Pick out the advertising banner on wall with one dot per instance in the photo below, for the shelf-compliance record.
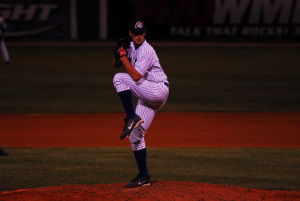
(166, 19)
(205, 19)
(34, 19)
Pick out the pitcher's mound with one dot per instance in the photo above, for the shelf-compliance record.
(158, 191)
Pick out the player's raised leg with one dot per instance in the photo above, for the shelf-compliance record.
(132, 120)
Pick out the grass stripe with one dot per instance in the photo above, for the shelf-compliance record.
(264, 168)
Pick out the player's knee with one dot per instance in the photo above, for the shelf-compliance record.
(138, 145)
(137, 139)
(137, 134)
(117, 79)
(119, 82)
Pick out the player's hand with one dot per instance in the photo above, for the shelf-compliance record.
(119, 52)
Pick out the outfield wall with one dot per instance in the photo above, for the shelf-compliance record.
(192, 20)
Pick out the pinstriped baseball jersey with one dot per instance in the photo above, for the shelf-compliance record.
(146, 62)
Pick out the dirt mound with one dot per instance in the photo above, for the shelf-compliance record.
(173, 191)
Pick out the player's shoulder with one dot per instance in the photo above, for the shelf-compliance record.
(146, 44)
(148, 47)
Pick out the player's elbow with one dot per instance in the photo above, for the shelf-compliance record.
(137, 77)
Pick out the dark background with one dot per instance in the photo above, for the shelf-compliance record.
(192, 19)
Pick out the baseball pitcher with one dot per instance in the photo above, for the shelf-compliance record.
(146, 80)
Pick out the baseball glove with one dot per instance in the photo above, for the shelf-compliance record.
(124, 42)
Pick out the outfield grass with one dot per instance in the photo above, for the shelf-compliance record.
(264, 168)
(203, 79)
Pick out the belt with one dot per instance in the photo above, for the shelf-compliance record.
(165, 82)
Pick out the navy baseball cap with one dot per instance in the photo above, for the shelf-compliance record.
(137, 27)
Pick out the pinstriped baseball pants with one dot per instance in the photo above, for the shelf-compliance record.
(151, 97)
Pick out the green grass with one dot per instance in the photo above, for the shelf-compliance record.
(265, 168)
(203, 79)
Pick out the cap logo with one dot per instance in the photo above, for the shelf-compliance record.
(138, 25)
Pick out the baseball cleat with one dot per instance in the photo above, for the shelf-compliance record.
(136, 178)
(131, 124)
(139, 182)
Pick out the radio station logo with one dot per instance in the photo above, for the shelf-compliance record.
(30, 18)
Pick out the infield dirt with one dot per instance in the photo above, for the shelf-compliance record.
(167, 130)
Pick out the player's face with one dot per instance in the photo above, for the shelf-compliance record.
(137, 39)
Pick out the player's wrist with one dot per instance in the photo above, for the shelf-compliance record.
(123, 58)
